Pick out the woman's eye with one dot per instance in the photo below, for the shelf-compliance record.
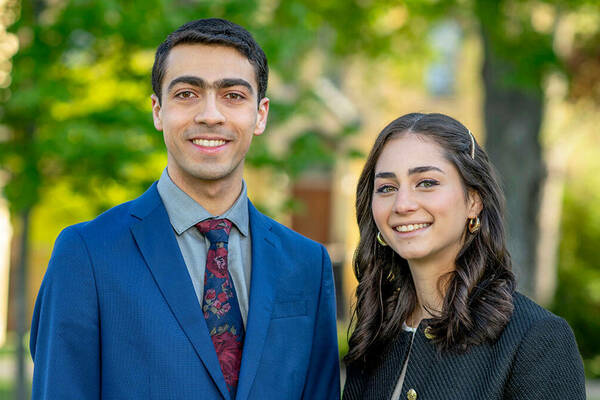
(427, 183)
(385, 189)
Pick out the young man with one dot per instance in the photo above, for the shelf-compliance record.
(188, 292)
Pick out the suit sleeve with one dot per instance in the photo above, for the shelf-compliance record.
(323, 379)
(65, 329)
(547, 364)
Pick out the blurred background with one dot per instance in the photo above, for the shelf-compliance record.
(76, 133)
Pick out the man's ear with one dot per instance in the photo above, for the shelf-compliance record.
(156, 112)
(475, 205)
(261, 120)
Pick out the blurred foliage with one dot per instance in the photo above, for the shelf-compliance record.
(78, 109)
(577, 297)
(78, 103)
(76, 113)
(343, 336)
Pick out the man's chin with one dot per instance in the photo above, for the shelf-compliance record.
(211, 174)
(204, 172)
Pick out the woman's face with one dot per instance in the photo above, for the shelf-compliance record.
(419, 202)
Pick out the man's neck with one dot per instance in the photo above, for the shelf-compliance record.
(215, 196)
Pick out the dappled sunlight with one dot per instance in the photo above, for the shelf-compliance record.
(76, 131)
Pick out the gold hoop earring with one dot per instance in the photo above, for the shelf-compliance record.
(380, 239)
(474, 224)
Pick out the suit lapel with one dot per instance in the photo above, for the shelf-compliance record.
(158, 245)
(265, 268)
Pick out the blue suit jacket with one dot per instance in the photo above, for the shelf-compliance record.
(117, 316)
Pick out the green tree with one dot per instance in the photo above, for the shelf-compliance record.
(578, 294)
(522, 47)
(78, 107)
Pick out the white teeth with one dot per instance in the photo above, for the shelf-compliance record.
(410, 227)
(208, 143)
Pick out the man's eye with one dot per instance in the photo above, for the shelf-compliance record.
(234, 96)
(185, 94)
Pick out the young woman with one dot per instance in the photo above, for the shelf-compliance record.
(437, 315)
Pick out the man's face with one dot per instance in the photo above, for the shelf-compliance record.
(209, 113)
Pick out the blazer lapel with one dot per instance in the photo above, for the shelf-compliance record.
(158, 245)
(265, 268)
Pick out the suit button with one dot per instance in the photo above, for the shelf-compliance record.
(428, 333)
(411, 394)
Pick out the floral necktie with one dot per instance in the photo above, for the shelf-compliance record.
(220, 304)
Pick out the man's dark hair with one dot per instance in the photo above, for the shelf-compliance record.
(215, 31)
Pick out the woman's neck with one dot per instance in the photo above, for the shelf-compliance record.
(426, 278)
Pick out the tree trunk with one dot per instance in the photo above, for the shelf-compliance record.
(29, 186)
(513, 117)
(22, 384)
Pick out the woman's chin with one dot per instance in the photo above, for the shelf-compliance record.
(411, 255)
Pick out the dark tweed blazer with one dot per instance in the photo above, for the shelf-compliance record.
(535, 357)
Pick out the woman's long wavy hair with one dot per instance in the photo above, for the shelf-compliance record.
(477, 303)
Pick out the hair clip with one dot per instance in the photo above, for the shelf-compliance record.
(472, 144)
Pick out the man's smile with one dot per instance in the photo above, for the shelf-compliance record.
(209, 142)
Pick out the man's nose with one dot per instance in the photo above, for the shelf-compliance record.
(209, 112)
(405, 201)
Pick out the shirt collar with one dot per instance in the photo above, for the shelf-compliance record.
(184, 212)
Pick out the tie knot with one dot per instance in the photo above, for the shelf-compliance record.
(216, 230)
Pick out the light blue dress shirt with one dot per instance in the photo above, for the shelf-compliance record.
(184, 213)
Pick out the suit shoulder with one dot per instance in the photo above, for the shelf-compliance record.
(528, 311)
(546, 357)
(106, 223)
(120, 217)
(530, 319)
(74, 242)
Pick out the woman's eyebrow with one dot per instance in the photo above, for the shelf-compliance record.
(385, 175)
(426, 168)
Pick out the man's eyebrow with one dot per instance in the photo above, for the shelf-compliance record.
(426, 168)
(190, 80)
(229, 82)
(385, 175)
(202, 84)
